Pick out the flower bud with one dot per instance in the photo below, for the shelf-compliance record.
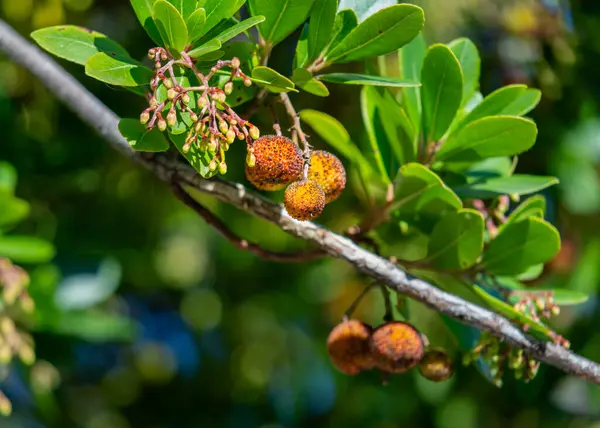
(194, 117)
(225, 146)
(153, 102)
(162, 125)
(215, 95)
(228, 88)
(213, 165)
(163, 56)
(144, 117)
(171, 118)
(235, 62)
(230, 136)
(171, 94)
(222, 168)
(254, 132)
(200, 127)
(151, 53)
(247, 82)
(187, 146)
(212, 147)
(223, 127)
(240, 136)
(233, 122)
(186, 98)
(251, 160)
(202, 101)
(168, 83)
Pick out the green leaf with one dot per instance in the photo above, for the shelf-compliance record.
(212, 46)
(272, 80)
(305, 80)
(457, 240)
(345, 22)
(380, 152)
(367, 80)
(561, 296)
(171, 25)
(322, 18)
(185, 7)
(519, 184)
(520, 245)
(381, 33)
(8, 178)
(301, 55)
(117, 71)
(441, 91)
(488, 137)
(91, 326)
(564, 297)
(282, 17)
(141, 138)
(12, 210)
(217, 10)
(26, 249)
(411, 63)
(468, 56)
(421, 197)
(532, 207)
(511, 100)
(143, 11)
(334, 134)
(240, 94)
(76, 44)
(195, 25)
(239, 28)
(199, 160)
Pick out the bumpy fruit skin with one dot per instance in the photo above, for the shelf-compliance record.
(348, 347)
(278, 163)
(436, 365)
(328, 171)
(304, 200)
(396, 347)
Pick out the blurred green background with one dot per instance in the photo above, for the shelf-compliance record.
(147, 318)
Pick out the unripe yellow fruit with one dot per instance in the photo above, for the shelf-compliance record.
(277, 162)
(436, 365)
(304, 200)
(328, 171)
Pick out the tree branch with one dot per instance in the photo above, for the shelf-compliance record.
(104, 121)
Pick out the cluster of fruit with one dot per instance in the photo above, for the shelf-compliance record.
(275, 161)
(394, 347)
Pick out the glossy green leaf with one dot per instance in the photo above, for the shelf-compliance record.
(470, 63)
(272, 80)
(195, 25)
(345, 22)
(185, 7)
(321, 22)
(8, 178)
(457, 240)
(301, 54)
(381, 33)
(76, 44)
(519, 184)
(218, 10)
(143, 11)
(26, 249)
(239, 28)
(561, 296)
(305, 80)
(520, 245)
(365, 8)
(380, 152)
(441, 91)
(141, 138)
(334, 134)
(206, 48)
(532, 207)
(564, 297)
(492, 136)
(282, 17)
(199, 160)
(171, 25)
(12, 210)
(117, 71)
(421, 197)
(367, 80)
(511, 100)
(411, 63)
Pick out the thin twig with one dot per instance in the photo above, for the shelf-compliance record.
(105, 122)
(242, 244)
(295, 119)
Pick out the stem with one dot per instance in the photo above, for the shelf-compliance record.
(295, 119)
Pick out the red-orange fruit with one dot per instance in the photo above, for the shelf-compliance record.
(396, 347)
(328, 171)
(436, 365)
(348, 347)
(304, 200)
(278, 162)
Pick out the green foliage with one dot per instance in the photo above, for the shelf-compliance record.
(433, 162)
